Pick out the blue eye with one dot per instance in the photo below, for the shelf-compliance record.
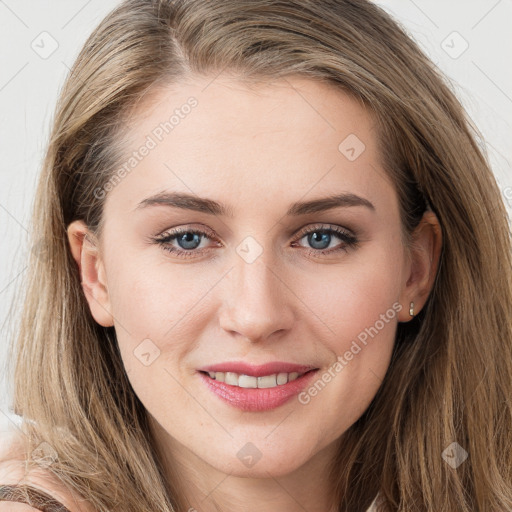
(188, 241)
(319, 237)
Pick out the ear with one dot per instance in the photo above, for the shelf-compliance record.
(424, 259)
(85, 251)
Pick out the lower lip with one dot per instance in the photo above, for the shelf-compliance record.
(255, 399)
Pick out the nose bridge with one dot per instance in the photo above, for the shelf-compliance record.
(257, 302)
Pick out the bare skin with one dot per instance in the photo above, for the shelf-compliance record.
(14, 472)
(256, 150)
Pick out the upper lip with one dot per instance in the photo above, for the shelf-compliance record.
(270, 368)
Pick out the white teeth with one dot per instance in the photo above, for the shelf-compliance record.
(231, 378)
(247, 381)
(267, 381)
(282, 378)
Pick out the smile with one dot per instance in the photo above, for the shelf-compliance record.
(250, 382)
(256, 388)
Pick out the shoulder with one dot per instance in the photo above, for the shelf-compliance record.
(13, 472)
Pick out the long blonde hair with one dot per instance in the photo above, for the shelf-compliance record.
(450, 378)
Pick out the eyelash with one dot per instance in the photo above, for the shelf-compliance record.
(349, 240)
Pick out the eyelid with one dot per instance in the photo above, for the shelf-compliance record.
(351, 240)
(187, 228)
(323, 227)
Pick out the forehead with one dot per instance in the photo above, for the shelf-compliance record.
(311, 107)
(280, 140)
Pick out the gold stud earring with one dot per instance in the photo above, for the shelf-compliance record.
(411, 309)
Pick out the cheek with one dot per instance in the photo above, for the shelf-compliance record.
(359, 309)
(354, 297)
(153, 294)
(156, 312)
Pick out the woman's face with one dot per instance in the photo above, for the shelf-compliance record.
(295, 262)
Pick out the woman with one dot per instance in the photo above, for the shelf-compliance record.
(277, 273)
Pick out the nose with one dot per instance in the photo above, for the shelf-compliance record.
(257, 301)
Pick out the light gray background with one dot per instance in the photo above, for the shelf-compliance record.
(30, 80)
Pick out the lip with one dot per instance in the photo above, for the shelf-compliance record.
(270, 368)
(256, 399)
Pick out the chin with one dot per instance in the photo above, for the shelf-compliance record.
(259, 460)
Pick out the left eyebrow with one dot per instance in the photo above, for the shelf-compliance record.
(211, 207)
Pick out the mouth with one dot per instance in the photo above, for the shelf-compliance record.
(256, 388)
(252, 382)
